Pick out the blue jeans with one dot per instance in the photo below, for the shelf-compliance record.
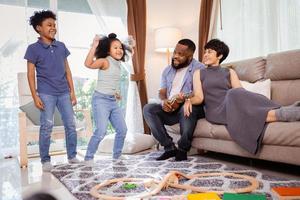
(156, 119)
(105, 108)
(64, 106)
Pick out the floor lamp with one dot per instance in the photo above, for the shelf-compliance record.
(165, 40)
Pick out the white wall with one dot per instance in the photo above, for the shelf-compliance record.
(160, 13)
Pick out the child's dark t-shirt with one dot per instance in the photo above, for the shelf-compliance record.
(49, 61)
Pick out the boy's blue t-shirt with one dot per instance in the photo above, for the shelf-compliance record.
(49, 61)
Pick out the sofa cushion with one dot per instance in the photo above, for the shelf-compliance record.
(220, 132)
(260, 87)
(33, 113)
(202, 129)
(277, 133)
(250, 70)
(283, 65)
(285, 92)
(283, 134)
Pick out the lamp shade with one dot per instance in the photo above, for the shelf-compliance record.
(166, 38)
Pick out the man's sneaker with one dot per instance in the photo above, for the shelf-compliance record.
(73, 161)
(180, 155)
(47, 167)
(167, 154)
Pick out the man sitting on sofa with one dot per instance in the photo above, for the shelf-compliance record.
(176, 87)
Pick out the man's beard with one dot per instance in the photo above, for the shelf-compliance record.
(181, 65)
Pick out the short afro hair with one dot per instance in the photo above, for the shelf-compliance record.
(39, 16)
(220, 47)
(189, 43)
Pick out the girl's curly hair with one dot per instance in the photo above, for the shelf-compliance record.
(102, 50)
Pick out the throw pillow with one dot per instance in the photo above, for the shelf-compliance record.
(260, 87)
(132, 144)
(33, 113)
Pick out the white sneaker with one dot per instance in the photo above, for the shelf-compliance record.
(121, 157)
(47, 167)
(89, 162)
(73, 161)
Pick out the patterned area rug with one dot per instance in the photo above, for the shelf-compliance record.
(79, 178)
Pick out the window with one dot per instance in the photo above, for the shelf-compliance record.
(257, 28)
(12, 47)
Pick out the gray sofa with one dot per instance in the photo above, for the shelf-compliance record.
(281, 142)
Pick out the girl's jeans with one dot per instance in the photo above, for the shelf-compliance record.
(105, 108)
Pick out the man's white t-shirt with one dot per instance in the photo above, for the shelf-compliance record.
(178, 81)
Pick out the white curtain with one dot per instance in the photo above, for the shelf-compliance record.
(13, 43)
(111, 16)
(105, 10)
(134, 116)
(258, 27)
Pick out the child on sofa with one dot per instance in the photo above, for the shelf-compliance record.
(48, 57)
(245, 114)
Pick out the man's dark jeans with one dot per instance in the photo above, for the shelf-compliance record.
(156, 118)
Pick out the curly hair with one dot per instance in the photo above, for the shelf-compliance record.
(102, 50)
(219, 46)
(39, 16)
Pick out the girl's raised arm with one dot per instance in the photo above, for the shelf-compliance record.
(89, 60)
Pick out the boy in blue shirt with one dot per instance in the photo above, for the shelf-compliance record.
(48, 57)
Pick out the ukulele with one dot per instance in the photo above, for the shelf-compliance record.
(176, 101)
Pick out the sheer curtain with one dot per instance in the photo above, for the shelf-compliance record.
(105, 11)
(111, 16)
(258, 27)
(13, 43)
(134, 116)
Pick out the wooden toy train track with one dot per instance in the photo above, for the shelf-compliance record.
(171, 180)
